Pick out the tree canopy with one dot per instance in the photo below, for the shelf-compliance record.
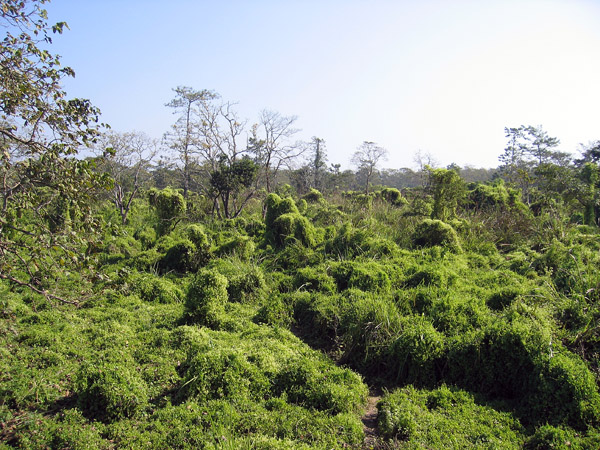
(41, 132)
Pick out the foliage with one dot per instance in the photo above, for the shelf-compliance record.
(228, 182)
(110, 391)
(432, 232)
(448, 191)
(169, 206)
(206, 298)
(483, 333)
(392, 196)
(46, 218)
(284, 224)
(445, 418)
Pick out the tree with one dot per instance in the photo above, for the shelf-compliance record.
(220, 130)
(128, 156)
(318, 162)
(274, 150)
(367, 158)
(529, 149)
(231, 182)
(184, 135)
(46, 215)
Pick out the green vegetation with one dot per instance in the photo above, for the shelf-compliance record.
(232, 310)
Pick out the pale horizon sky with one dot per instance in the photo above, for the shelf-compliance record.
(443, 77)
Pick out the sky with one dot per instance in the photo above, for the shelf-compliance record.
(439, 77)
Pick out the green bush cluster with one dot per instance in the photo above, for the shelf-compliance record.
(433, 232)
(392, 196)
(169, 206)
(483, 328)
(206, 298)
(284, 223)
(445, 418)
(367, 276)
(242, 247)
(152, 288)
(110, 391)
(350, 242)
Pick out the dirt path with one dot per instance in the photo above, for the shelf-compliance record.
(369, 420)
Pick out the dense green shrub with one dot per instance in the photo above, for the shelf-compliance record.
(435, 232)
(368, 276)
(359, 200)
(285, 224)
(196, 234)
(319, 386)
(416, 352)
(169, 206)
(293, 226)
(313, 196)
(110, 391)
(392, 196)
(551, 437)
(146, 236)
(242, 247)
(350, 242)
(125, 245)
(155, 289)
(147, 260)
(181, 258)
(247, 286)
(484, 196)
(426, 276)
(566, 393)
(223, 373)
(314, 279)
(501, 361)
(275, 311)
(445, 418)
(206, 298)
(276, 206)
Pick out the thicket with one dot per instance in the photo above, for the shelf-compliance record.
(185, 338)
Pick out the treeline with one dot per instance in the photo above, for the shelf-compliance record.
(532, 170)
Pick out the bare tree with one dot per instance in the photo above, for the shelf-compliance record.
(128, 156)
(275, 149)
(184, 137)
(424, 159)
(366, 159)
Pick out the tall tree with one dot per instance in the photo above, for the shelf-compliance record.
(275, 149)
(527, 157)
(184, 134)
(318, 161)
(366, 158)
(46, 191)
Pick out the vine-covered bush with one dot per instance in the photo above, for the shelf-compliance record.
(432, 232)
(169, 206)
(392, 196)
(206, 298)
(110, 391)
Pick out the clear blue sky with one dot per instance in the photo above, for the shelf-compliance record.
(440, 76)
